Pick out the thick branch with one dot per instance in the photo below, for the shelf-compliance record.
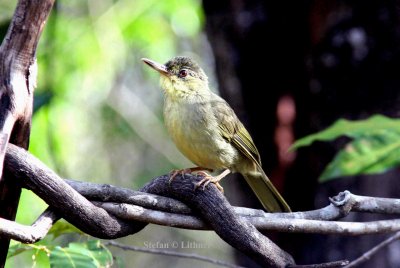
(219, 214)
(110, 193)
(59, 195)
(210, 204)
(149, 208)
(168, 211)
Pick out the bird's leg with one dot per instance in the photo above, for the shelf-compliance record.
(208, 178)
(184, 171)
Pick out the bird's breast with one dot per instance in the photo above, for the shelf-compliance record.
(194, 129)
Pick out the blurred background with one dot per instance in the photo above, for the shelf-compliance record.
(287, 68)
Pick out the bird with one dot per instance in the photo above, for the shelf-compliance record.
(208, 132)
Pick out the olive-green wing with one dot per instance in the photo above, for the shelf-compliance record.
(234, 131)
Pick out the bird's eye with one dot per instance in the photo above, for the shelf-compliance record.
(183, 73)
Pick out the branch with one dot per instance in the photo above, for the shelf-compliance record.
(168, 211)
(220, 216)
(210, 204)
(341, 205)
(149, 208)
(110, 193)
(367, 255)
(333, 264)
(29, 234)
(73, 207)
(370, 204)
(170, 253)
(137, 213)
(270, 222)
(300, 222)
(309, 221)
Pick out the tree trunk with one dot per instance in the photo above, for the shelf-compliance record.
(17, 83)
(332, 59)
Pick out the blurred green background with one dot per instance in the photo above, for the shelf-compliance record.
(98, 109)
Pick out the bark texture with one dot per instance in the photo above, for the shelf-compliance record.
(17, 83)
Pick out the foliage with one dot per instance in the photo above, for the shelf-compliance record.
(375, 146)
(89, 61)
(90, 254)
(62, 227)
(97, 112)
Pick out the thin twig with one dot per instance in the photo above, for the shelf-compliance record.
(367, 255)
(333, 264)
(171, 253)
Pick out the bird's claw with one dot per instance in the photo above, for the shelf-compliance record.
(206, 181)
(184, 171)
(175, 172)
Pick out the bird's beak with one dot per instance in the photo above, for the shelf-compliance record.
(156, 66)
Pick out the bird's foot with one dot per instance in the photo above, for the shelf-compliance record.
(184, 171)
(208, 178)
(175, 172)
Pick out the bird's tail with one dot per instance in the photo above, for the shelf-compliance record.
(266, 192)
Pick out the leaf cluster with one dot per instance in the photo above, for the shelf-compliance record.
(374, 148)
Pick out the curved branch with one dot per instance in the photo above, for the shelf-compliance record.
(167, 211)
(76, 209)
(220, 216)
(110, 193)
(161, 210)
(211, 204)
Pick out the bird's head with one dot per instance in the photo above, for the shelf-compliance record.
(180, 76)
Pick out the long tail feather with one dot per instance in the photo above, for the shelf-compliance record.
(266, 192)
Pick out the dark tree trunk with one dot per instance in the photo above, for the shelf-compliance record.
(17, 83)
(333, 59)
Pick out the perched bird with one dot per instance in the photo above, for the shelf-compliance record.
(207, 131)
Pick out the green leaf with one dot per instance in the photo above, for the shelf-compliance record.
(91, 254)
(63, 227)
(39, 252)
(368, 154)
(17, 249)
(375, 146)
(353, 129)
